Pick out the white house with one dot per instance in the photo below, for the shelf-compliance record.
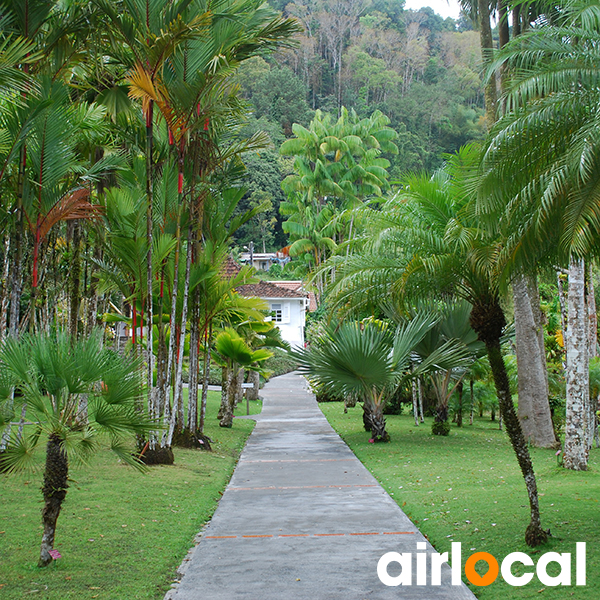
(288, 306)
(288, 309)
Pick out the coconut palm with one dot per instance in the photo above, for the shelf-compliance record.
(53, 372)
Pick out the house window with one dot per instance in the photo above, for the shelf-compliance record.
(276, 309)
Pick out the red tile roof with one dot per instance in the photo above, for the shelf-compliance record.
(266, 289)
(262, 289)
(230, 268)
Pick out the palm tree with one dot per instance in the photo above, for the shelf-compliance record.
(53, 372)
(546, 144)
(369, 362)
(453, 324)
(431, 243)
(236, 354)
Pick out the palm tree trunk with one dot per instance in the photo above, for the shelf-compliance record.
(577, 418)
(205, 379)
(5, 287)
(239, 390)
(92, 311)
(459, 412)
(15, 296)
(192, 420)
(591, 312)
(471, 385)
(153, 400)
(367, 420)
(173, 330)
(561, 299)
(54, 491)
(487, 320)
(487, 46)
(378, 432)
(421, 416)
(227, 418)
(177, 416)
(225, 378)
(74, 276)
(415, 403)
(254, 378)
(534, 408)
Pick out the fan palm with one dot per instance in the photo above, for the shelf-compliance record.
(53, 373)
(367, 361)
(236, 354)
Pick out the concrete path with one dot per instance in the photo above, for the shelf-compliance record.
(302, 519)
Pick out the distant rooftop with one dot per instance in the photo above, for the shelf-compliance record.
(264, 289)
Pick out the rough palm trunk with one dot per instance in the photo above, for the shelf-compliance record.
(254, 379)
(378, 432)
(366, 417)
(225, 378)
(577, 418)
(487, 320)
(92, 312)
(54, 491)
(227, 418)
(592, 350)
(239, 390)
(534, 409)
(592, 313)
(561, 299)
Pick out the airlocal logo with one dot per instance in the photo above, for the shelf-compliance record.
(437, 560)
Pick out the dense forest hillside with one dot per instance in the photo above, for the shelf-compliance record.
(422, 71)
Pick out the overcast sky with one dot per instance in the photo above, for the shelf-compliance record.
(445, 8)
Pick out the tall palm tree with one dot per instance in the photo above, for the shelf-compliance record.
(541, 170)
(430, 243)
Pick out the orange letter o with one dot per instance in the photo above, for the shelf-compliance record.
(473, 576)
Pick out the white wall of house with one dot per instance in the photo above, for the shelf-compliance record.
(290, 318)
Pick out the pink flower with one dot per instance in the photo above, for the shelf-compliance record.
(55, 554)
(371, 441)
(558, 452)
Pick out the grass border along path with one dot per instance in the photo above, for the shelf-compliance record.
(122, 534)
(467, 488)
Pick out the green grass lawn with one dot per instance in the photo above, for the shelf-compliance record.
(122, 534)
(467, 488)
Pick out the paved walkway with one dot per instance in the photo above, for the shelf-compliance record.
(302, 519)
